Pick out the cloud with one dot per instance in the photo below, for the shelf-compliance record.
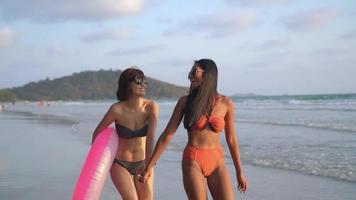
(276, 42)
(114, 34)
(260, 65)
(135, 51)
(64, 10)
(7, 37)
(164, 20)
(55, 51)
(258, 2)
(311, 20)
(349, 36)
(174, 62)
(220, 25)
(330, 52)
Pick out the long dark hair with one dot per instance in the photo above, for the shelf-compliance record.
(126, 77)
(200, 99)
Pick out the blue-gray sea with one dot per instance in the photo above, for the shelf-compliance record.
(292, 147)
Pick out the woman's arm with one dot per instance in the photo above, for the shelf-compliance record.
(105, 122)
(152, 126)
(165, 137)
(232, 142)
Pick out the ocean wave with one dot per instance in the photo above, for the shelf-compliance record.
(334, 127)
(298, 105)
(41, 117)
(83, 103)
(310, 167)
(304, 108)
(103, 103)
(296, 98)
(167, 101)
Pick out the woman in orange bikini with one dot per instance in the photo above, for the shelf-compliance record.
(136, 120)
(206, 113)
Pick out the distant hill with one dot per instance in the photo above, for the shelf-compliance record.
(86, 85)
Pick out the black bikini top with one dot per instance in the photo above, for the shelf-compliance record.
(124, 132)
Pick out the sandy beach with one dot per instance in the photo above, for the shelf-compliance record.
(41, 155)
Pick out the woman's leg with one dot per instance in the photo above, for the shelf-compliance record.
(219, 183)
(123, 182)
(193, 180)
(144, 190)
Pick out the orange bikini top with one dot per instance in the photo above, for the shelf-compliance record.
(216, 123)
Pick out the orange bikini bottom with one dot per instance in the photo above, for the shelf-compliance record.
(207, 159)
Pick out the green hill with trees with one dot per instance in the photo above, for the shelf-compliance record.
(86, 85)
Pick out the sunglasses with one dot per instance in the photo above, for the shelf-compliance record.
(140, 80)
(194, 71)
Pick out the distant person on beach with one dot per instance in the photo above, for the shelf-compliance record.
(40, 104)
(136, 120)
(206, 114)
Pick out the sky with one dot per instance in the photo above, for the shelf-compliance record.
(266, 47)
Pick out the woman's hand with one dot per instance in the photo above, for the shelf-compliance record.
(144, 175)
(140, 171)
(242, 183)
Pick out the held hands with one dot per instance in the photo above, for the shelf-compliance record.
(242, 183)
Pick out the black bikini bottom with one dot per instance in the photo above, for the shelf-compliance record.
(131, 167)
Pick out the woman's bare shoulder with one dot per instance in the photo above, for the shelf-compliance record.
(182, 100)
(116, 107)
(226, 100)
(151, 104)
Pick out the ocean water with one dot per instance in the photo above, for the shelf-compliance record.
(313, 135)
(307, 135)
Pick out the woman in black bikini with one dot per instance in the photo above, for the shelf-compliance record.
(136, 120)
